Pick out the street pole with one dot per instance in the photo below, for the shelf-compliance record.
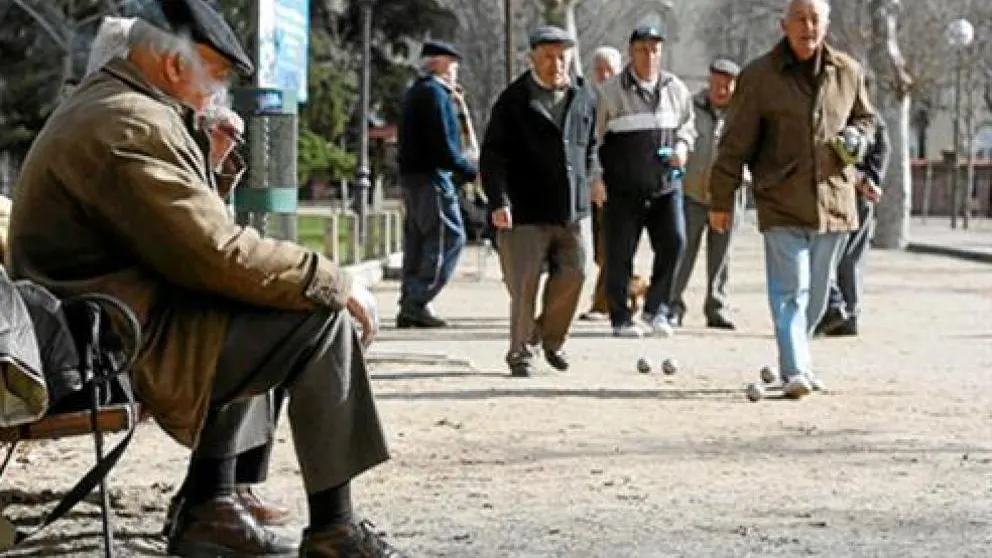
(510, 48)
(955, 175)
(363, 174)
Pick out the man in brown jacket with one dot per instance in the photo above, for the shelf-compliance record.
(799, 119)
(121, 194)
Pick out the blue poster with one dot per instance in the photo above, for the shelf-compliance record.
(283, 38)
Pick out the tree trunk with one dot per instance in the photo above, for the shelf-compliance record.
(893, 211)
(892, 85)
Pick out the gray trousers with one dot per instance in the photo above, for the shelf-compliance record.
(846, 290)
(524, 250)
(717, 259)
(317, 357)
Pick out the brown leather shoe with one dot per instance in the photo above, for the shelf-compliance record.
(222, 527)
(266, 514)
(347, 541)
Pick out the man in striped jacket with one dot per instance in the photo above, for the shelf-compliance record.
(646, 131)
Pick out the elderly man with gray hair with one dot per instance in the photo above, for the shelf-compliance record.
(606, 63)
(122, 193)
(801, 121)
(432, 158)
(251, 421)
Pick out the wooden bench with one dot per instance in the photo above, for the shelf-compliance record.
(98, 420)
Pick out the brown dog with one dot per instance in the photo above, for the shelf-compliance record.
(636, 291)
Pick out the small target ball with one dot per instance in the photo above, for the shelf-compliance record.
(643, 365)
(768, 375)
(669, 366)
(755, 392)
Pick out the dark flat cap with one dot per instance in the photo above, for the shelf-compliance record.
(648, 33)
(725, 66)
(549, 34)
(438, 48)
(205, 25)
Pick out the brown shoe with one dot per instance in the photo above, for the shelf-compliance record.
(222, 527)
(347, 541)
(266, 514)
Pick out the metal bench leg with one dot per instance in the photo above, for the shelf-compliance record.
(108, 533)
(6, 459)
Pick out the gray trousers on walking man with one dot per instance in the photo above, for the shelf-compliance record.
(524, 250)
(718, 245)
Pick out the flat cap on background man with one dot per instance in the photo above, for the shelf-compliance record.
(549, 34)
(725, 66)
(648, 33)
(438, 48)
(204, 24)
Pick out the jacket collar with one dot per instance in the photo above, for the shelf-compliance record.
(785, 59)
(128, 73)
(629, 82)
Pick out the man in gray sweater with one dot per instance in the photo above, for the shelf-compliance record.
(709, 106)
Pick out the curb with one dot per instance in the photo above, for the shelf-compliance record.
(948, 251)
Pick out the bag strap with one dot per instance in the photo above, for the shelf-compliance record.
(92, 478)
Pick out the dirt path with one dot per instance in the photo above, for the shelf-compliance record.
(895, 460)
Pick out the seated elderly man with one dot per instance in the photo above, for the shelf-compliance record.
(121, 194)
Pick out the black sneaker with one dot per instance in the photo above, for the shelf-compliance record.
(849, 328)
(720, 322)
(556, 359)
(418, 319)
(833, 319)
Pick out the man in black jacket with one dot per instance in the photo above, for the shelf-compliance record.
(432, 159)
(536, 158)
(841, 318)
(646, 126)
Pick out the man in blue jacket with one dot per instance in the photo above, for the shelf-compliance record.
(431, 159)
(536, 158)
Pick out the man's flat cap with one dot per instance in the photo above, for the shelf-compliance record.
(203, 24)
(648, 33)
(438, 48)
(725, 66)
(549, 34)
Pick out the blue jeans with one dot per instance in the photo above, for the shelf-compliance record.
(799, 265)
(433, 238)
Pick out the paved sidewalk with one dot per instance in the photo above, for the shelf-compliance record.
(604, 462)
(934, 235)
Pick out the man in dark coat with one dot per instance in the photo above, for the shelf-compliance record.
(432, 161)
(536, 157)
(122, 193)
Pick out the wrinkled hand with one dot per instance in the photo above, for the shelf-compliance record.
(720, 220)
(502, 219)
(363, 308)
(869, 190)
(226, 129)
(598, 194)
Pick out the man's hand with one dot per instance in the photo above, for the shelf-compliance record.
(363, 308)
(226, 129)
(598, 193)
(869, 190)
(720, 220)
(502, 219)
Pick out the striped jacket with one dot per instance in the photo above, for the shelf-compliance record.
(631, 129)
